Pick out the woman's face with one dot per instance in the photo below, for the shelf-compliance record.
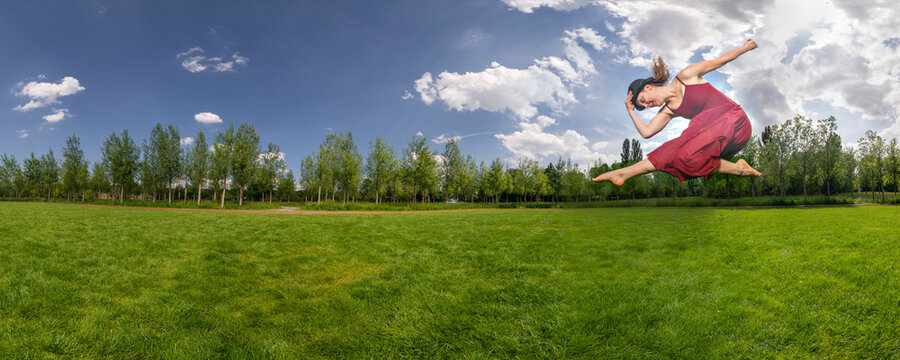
(648, 97)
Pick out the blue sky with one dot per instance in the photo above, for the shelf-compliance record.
(536, 78)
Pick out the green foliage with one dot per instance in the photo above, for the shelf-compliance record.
(419, 168)
(381, 165)
(121, 158)
(199, 163)
(245, 155)
(222, 159)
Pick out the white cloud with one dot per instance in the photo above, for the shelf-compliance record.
(45, 93)
(444, 138)
(441, 139)
(57, 116)
(497, 89)
(224, 67)
(189, 51)
(418, 134)
(549, 82)
(228, 66)
(528, 6)
(199, 63)
(892, 131)
(186, 141)
(240, 60)
(22, 133)
(270, 155)
(589, 36)
(207, 118)
(533, 142)
(407, 95)
(193, 64)
(471, 38)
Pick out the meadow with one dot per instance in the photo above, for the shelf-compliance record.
(88, 282)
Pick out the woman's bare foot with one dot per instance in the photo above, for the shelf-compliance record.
(746, 169)
(615, 177)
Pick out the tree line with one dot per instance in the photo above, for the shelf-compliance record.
(797, 157)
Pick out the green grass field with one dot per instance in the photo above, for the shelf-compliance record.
(83, 282)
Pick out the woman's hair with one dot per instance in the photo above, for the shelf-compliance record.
(660, 72)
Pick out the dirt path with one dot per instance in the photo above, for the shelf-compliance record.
(282, 210)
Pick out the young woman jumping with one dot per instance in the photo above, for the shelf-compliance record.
(718, 129)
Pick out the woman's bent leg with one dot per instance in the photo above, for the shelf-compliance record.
(619, 176)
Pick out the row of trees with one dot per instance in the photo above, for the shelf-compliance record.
(157, 169)
(797, 157)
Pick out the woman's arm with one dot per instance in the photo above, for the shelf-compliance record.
(701, 68)
(656, 125)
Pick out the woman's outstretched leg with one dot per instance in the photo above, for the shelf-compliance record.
(619, 176)
(740, 168)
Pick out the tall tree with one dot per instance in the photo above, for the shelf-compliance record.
(452, 170)
(892, 163)
(286, 186)
(222, 158)
(775, 154)
(636, 153)
(626, 152)
(272, 165)
(9, 167)
(308, 179)
(525, 176)
(153, 163)
(830, 151)
(49, 172)
(492, 183)
(471, 178)
(380, 165)
(325, 168)
(82, 180)
(172, 159)
(348, 166)
(32, 174)
(99, 179)
(120, 159)
(199, 164)
(554, 179)
(246, 152)
(872, 152)
(419, 167)
(805, 146)
(73, 160)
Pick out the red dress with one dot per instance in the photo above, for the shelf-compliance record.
(719, 128)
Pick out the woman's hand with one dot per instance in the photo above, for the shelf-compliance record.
(750, 45)
(628, 104)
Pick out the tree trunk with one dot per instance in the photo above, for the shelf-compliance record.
(241, 196)
(376, 195)
(122, 197)
(222, 205)
(319, 198)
